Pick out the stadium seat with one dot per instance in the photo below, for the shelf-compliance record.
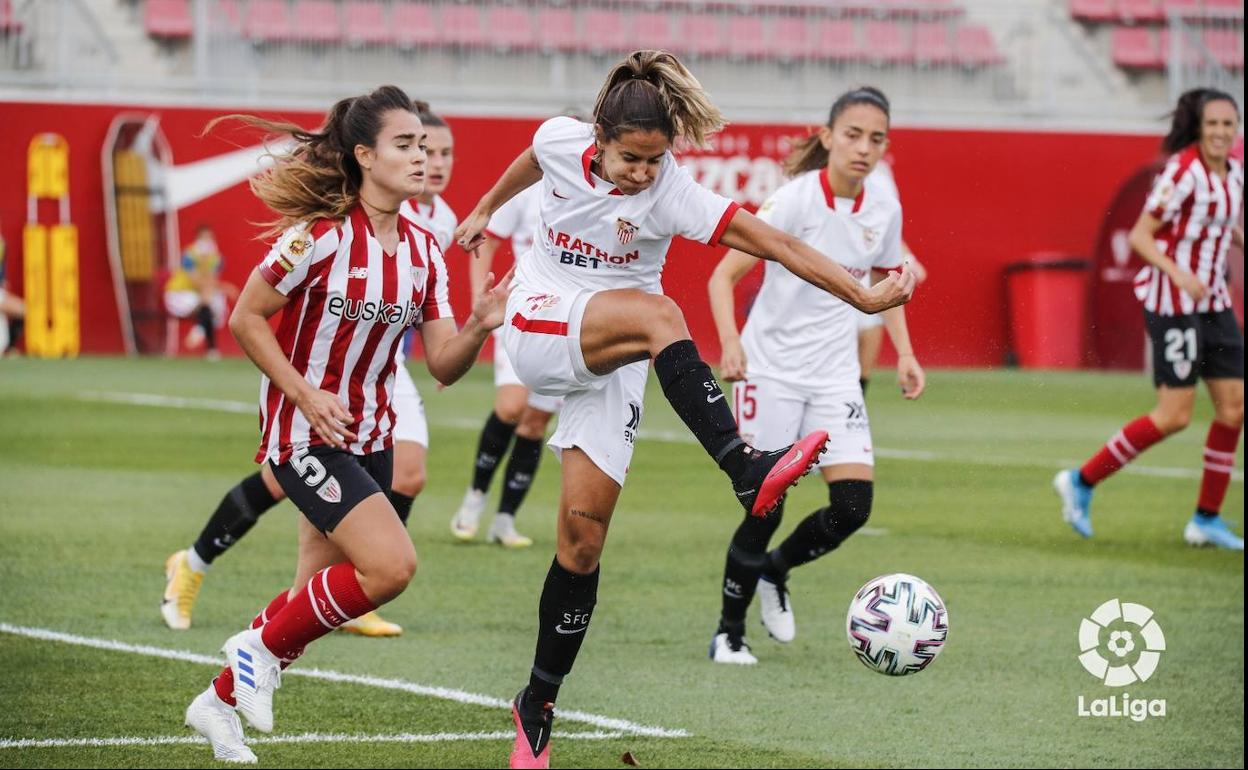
(1227, 46)
(606, 32)
(556, 30)
(229, 16)
(165, 19)
(365, 23)
(1186, 7)
(1224, 5)
(461, 26)
(511, 29)
(316, 21)
(1094, 11)
(654, 30)
(791, 38)
(1140, 11)
(836, 40)
(931, 43)
(974, 46)
(747, 38)
(702, 34)
(1135, 48)
(887, 42)
(267, 21)
(412, 24)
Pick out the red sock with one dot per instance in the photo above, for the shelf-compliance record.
(1125, 446)
(332, 597)
(1220, 448)
(224, 683)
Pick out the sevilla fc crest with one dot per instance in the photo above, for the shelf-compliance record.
(625, 230)
(869, 237)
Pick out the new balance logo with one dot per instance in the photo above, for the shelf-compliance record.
(357, 272)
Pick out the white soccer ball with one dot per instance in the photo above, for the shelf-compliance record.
(897, 624)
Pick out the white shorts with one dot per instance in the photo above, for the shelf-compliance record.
(773, 414)
(505, 374)
(409, 411)
(867, 321)
(601, 414)
(181, 304)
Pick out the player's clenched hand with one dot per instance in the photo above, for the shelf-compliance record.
(471, 232)
(490, 306)
(896, 289)
(327, 416)
(732, 361)
(910, 377)
(1190, 284)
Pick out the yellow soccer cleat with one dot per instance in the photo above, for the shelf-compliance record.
(371, 624)
(181, 588)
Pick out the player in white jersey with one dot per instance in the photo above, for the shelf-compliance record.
(518, 421)
(1183, 235)
(243, 505)
(795, 365)
(587, 315)
(349, 275)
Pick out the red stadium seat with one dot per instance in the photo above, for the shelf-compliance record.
(791, 38)
(511, 29)
(1185, 7)
(8, 19)
(836, 40)
(931, 43)
(1141, 11)
(606, 32)
(267, 21)
(1135, 48)
(229, 15)
(166, 19)
(365, 23)
(461, 26)
(316, 21)
(974, 46)
(654, 30)
(1094, 11)
(1227, 46)
(412, 24)
(887, 41)
(748, 38)
(556, 30)
(702, 34)
(1224, 5)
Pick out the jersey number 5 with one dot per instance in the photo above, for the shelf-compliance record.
(309, 468)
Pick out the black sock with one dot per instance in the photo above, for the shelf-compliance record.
(16, 326)
(204, 316)
(694, 393)
(402, 504)
(1207, 515)
(747, 557)
(495, 437)
(234, 517)
(863, 382)
(563, 620)
(825, 529)
(526, 453)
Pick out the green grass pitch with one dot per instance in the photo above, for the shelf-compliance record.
(97, 493)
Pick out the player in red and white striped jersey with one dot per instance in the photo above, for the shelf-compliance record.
(1188, 225)
(349, 275)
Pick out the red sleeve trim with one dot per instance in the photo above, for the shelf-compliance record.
(270, 276)
(723, 223)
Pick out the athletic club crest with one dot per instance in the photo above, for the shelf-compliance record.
(330, 491)
(625, 230)
(1182, 369)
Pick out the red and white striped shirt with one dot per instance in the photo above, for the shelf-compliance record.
(1198, 210)
(350, 304)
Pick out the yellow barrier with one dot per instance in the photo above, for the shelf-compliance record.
(35, 282)
(50, 254)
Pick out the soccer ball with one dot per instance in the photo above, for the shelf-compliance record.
(897, 624)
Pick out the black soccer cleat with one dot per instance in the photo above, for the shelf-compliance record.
(768, 475)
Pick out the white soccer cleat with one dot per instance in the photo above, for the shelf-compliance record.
(257, 673)
(503, 531)
(722, 651)
(777, 610)
(466, 520)
(218, 722)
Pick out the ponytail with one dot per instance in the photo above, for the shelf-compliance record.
(653, 91)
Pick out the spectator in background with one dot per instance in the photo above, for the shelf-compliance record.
(195, 290)
(12, 309)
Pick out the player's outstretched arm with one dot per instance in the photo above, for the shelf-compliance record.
(523, 172)
(728, 273)
(450, 354)
(750, 234)
(249, 323)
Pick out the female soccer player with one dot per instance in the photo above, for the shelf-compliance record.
(587, 315)
(518, 411)
(242, 506)
(1183, 235)
(796, 363)
(349, 274)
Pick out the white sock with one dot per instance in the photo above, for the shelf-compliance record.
(194, 561)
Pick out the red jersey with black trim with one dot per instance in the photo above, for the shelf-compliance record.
(350, 303)
(1198, 209)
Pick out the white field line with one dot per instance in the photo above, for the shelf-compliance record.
(183, 740)
(429, 691)
(675, 437)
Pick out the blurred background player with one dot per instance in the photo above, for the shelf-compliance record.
(243, 505)
(12, 309)
(588, 314)
(349, 274)
(1187, 226)
(795, 365)
(195, 290)
(518, 411)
